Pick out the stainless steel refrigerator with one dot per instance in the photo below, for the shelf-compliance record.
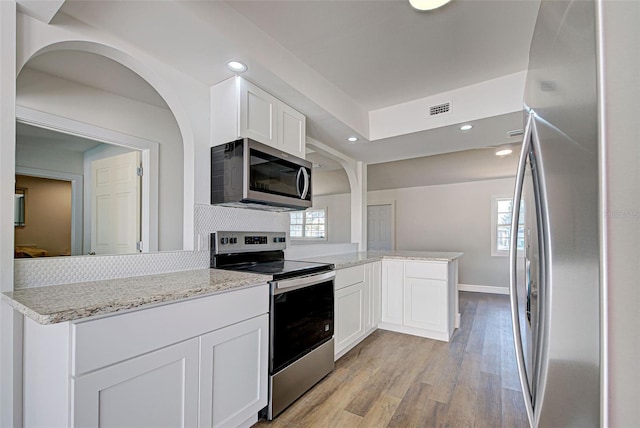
(556, 302)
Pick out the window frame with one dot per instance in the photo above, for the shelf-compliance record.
(494, 226)
(304, 238)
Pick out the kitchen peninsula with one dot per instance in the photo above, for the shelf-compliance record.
(411, 292)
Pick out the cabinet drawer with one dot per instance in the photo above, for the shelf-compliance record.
(349, 276)
(426, 270)
(108, 340)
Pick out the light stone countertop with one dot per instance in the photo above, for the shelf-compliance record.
(346, 260)
(70, 302)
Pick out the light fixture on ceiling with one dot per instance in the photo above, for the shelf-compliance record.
(352, 139)
(236, 66)
(504, 150)
(428, 4)
(466, 127)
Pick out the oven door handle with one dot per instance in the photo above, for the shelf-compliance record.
(300, 282)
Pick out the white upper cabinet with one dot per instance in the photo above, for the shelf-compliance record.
(241, 109)
(291, 130)
(258, 111)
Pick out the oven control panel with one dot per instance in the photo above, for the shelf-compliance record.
(255, 240)
(240, 242)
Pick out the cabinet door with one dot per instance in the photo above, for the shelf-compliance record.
(349, 314)
(368, 297)
(372, 295)
(258, 111)
(392, 291)
(158, 389)
(233, 378)
(425, 304)
(376, 290)
(291, 131)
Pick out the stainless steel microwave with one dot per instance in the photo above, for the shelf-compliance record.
(249, 174)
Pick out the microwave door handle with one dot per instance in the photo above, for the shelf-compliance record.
(298, 182)
(305, 190)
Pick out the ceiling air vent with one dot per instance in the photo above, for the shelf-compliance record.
(439, 109)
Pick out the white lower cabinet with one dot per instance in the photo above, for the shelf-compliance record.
(392, 283)
(349, 315)
(425, 304)
(420, 297)
(233, 373)
(199, 362)
(158, 389)
(357, 305)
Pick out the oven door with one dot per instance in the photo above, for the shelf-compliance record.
(301, 317)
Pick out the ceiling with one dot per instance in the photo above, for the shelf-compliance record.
(335, 61)
(382, 53)
(35, 136)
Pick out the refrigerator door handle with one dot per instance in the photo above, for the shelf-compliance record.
(513, 252)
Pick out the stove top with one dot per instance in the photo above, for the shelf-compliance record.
(259, 252)
(280, 269)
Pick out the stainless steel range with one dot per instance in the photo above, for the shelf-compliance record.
(301, 311)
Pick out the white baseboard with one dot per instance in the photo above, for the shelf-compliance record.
(483, 289)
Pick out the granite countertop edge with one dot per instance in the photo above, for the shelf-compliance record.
(345, 260)
(73, 302)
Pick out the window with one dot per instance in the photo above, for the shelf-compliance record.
(309, 225)
(501, 226)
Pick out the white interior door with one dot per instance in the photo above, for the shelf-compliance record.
(379, 227)
(115, 204)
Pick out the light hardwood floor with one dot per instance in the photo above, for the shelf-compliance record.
(397, 380)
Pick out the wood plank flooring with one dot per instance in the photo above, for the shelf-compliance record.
(397, 380)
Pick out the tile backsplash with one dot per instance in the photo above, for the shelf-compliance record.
(210, 218)
(64, 270)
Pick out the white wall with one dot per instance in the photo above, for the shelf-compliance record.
(451, 217)
(46, 93)
(338, 216)
(10, 320)
(331, 182)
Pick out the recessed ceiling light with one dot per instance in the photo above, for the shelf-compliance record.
(352, 139)
(236, 66)
(427, 4)
(504, 151)
(466, 127)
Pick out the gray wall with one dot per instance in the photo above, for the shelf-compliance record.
(452, 217)
(442, 203)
